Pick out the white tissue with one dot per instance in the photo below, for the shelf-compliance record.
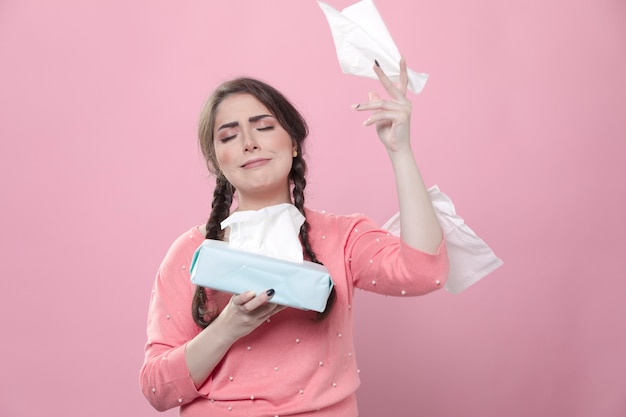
(361, 37)
(469, 256)
(272, 231)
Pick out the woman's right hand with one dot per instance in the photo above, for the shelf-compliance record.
(245, 312)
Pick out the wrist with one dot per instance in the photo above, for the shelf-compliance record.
(401, 154)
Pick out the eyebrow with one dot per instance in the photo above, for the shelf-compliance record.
(251, 120)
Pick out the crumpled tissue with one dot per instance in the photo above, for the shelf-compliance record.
(263, 252)
(469, 256)
(360, 37)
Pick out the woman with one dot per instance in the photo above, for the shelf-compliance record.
(221, 355)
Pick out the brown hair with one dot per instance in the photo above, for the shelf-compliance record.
(295, 125)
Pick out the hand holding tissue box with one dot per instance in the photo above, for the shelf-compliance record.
(264, 252)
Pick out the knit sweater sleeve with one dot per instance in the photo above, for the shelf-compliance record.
(385, 264)
(164, 377)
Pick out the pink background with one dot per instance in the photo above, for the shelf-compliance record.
(522, 123)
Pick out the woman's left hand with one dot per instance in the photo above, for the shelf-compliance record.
(392, 117)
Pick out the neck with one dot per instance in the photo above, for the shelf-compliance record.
(258, 202)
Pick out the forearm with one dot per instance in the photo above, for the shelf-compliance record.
(205, 351)
(418, 223)
(419, 226)
(244, 313)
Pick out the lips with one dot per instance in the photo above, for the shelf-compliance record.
(253, 163)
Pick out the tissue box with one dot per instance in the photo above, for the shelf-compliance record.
(304, 285)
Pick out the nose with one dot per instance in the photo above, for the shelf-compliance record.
(249, 141)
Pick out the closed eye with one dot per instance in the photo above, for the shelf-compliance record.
(227, 138)
(266, 128)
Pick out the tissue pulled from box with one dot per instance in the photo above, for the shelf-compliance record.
(273, 231)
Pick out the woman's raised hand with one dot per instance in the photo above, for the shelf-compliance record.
(392, 117)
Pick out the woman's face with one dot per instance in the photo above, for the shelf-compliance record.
(253, 151)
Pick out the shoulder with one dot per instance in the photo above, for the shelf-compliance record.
(183, 247)
(323, 221)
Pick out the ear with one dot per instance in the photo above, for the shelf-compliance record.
(294, 150)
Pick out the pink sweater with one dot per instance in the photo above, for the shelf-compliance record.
(290, 365)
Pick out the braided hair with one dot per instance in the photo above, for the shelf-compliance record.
(293, 122)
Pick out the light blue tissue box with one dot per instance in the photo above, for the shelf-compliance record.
(304, 285)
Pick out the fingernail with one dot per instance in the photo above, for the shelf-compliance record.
(356, 106)
(270, 292)
(376, 62)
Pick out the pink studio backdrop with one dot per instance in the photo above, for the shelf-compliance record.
(522, 123)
